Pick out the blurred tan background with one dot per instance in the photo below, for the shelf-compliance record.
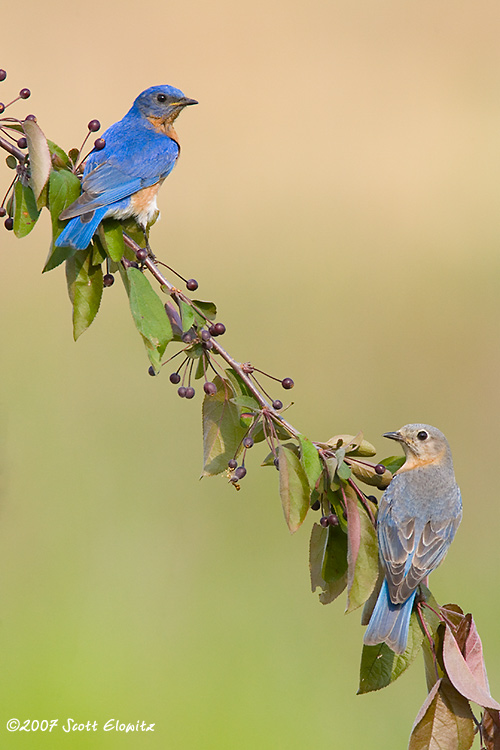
(337, 196)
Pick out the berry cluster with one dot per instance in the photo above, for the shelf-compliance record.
(15, 144)
(75, 154)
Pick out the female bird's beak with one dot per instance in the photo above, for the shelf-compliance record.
(394, 436)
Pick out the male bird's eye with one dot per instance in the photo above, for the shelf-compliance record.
(161, 98)
(422, 435)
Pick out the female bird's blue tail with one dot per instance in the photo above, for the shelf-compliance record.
(389, 622)
(78, 233)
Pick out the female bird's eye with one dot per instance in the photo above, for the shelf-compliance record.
(422, 435)
(161, 98)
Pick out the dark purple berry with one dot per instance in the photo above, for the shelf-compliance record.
(3, 75)
(333, 519)
(108, 279)
(219, 329)
(31, 118)
(324, 522)
(210, 389)
(151, 371)
(94, 126)
(22, 142)
(192, 285)
(3, 212)
(182, 391)
(9, 223)
(25, 93)
(372, 498)
(2, 107)
(379, 469)
(277, 404)
(187, 337)
(175, 378)
(276, 462)
(190, 392)
(247, 442)
(205, 335)
(141, 254)
(207, 345)
(99, 144)
(240, 472)
(316, 505)
(287, 383)
(232, 463)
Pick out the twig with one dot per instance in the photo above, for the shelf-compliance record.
(20, 155)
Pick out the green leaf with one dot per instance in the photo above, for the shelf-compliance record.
(222, 431)
(187, 315)
(354, 445)
(328, 561)
(294, 488)
(98, 252)
(149, 315)
(343, 471)
(393, 463)
(25, 211)
(200, 367)
(246, 402)
(59, 157)
(380, 665)
(64, 188)
(208, 309)
(111, 236)
(444, 721)
(335, 499)
(39, 156)
(239, 386)
(134, 231)
(366, 473)
(84, 288)
(365, 571)
(310, 460)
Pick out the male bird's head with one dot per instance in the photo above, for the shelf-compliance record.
(162, 103)
(422, 445)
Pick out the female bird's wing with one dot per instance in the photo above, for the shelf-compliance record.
(411, 548)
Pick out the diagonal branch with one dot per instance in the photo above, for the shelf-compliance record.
(237, 366)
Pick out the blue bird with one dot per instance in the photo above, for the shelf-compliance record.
(122, 179)
(418, 516)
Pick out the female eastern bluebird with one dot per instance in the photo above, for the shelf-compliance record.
(418, 516)
(123, 178)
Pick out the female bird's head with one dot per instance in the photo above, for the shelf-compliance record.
(422, 445)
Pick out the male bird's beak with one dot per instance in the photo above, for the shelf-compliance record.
(394, 436)
(185, 102)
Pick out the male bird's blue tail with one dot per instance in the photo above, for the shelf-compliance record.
(78, 233)
(389, 622)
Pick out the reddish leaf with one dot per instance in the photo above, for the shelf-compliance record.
(445, 721)
(461, 675)
(490, 729)
(473, 653)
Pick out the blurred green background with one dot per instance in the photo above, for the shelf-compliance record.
(337, 197)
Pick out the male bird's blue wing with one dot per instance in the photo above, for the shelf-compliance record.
(130, 162)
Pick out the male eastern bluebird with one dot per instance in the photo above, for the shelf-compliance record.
(418, 516)
(122, 179)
